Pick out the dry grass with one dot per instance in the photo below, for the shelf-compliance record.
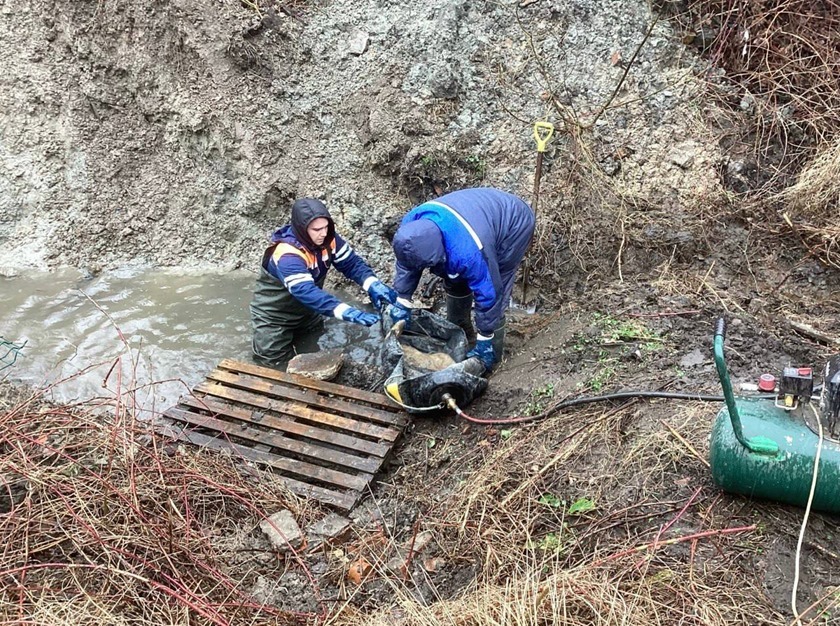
(649, 551)
(101, 530)
(782, 61)
(783, 57)
(101, 526)
(701, 284)
(814, 204)
(582, 596)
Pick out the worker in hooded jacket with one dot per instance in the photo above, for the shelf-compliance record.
(289, 296)
(475, 239)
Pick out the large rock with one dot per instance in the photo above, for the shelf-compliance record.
(322, 365)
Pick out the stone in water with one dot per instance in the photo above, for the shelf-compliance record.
(323, 365)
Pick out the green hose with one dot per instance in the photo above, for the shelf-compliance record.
(759, 445)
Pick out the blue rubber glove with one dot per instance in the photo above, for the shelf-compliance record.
(359, 317)
(399, 313)
(381, 294)
(484, 351)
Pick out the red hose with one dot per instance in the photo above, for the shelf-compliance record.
(450, 403)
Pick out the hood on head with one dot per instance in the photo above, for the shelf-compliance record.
(304, 210)
(419, 245)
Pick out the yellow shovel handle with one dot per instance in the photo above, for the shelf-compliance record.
(543, 131)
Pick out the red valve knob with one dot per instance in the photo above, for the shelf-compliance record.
(767, 382)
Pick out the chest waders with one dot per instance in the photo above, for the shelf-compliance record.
(276, 317)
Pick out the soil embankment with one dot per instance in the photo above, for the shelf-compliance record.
(178, 134)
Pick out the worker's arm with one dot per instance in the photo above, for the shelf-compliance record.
(351, 264)
(291, 270)
(356, 269)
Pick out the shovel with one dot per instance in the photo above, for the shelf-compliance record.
(524, 294)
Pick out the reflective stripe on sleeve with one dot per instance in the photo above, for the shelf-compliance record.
(344, 253)
(296, 279)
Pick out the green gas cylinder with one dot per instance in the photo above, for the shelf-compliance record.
(764, 451)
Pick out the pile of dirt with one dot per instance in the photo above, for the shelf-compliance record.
(180, 134)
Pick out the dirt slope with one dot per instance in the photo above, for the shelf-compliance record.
(178, 134)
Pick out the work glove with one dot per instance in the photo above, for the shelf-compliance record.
(484, 351)
(359, 317)
(381, 294)
(399, 312)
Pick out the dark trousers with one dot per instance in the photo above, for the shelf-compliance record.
(279, 321)
(459, 301)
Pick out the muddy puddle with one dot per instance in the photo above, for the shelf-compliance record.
(157, 332)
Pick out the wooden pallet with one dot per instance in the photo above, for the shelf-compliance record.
(326, 441)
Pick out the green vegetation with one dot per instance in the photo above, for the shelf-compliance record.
(606, 370)
(429, 161)
(606, 333)
(477, 164)
(538, 399)
(581, 505)
(549, 499)
(614, 330)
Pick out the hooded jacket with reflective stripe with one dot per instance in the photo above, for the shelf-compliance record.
(476, 235)
(303, 271)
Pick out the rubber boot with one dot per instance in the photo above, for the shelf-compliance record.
(499, 341)
(459, 312)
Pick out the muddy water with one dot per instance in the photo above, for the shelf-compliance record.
(164, 329)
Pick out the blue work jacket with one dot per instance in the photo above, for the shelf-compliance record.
(478, 236)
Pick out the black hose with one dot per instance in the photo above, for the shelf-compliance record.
(620, 395)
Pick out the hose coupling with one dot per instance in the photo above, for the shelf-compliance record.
(450, 403)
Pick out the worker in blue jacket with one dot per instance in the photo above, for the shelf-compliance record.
(289, 296)
(475, 239)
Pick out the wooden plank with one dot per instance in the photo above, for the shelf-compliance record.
(325, 441)
(308, 383)
(276, 440)
(286, 425)
(338, 499)
(298, 411)
(307, 398)
(319, 473)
